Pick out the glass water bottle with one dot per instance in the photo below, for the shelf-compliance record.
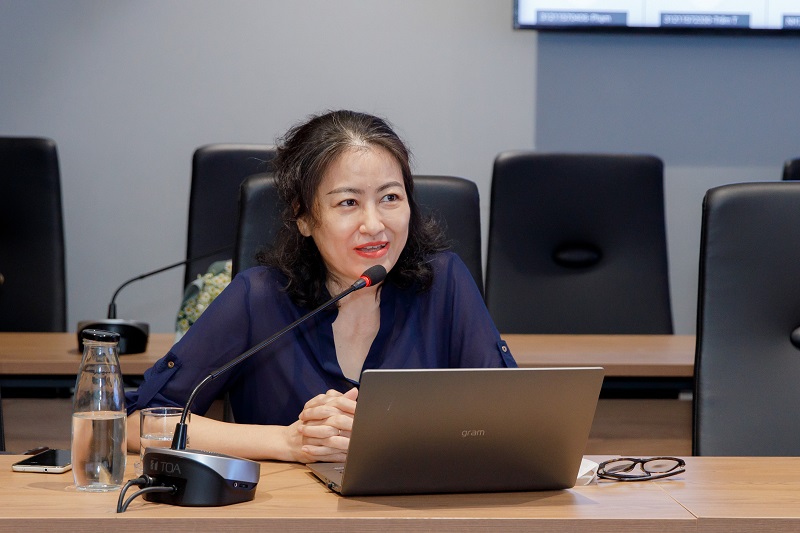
(99, 443)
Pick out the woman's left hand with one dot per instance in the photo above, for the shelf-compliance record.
(325, 425)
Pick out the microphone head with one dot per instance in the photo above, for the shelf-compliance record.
(373, 275)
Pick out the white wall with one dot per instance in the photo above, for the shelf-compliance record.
(129, 89)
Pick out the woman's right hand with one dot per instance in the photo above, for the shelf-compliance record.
(324, 426)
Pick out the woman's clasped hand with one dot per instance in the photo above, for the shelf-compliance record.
(325, 425)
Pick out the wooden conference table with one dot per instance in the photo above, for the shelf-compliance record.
(621, 426)
(667, 356)
(715, 494)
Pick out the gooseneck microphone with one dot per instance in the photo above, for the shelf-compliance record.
(204, 478)
(112, 307)
(133, 334)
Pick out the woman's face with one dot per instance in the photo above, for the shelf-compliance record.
(362, 214)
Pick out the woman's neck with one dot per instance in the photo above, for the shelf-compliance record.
(355, 328)
(362, 300)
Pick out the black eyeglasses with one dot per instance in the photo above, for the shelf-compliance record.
(621, 468)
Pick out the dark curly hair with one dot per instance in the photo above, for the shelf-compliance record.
(303, 156)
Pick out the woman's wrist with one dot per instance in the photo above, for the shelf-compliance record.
(293, 442)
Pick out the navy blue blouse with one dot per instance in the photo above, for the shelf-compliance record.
(447, 326)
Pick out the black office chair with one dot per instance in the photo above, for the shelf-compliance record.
(217, 172)
(260, 209)
(791, 170)
(577, 244)
(747, 362)
(453, 200)
(33, 293)
(455, 203)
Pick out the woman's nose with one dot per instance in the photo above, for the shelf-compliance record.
(372, 222)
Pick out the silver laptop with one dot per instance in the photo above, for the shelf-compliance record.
(467, 430)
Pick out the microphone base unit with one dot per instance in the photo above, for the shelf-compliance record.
(202, 479)
(133, 335)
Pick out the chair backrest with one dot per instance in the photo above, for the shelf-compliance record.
(453, 200)
(259, 220)
(791, 170)
(455, 203)
(217, 172)
(747, 362)
(577, 244)
(33, 295)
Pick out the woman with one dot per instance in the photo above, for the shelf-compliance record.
(346, 180)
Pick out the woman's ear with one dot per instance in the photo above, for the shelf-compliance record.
(304, 227)
(302, 222)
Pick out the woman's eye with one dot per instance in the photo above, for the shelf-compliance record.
(348, 203)
(391, 197)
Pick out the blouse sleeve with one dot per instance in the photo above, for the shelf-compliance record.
(219, 335)
(475, 341)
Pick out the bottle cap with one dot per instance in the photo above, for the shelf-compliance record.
(100, 335)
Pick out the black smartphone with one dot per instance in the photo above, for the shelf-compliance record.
(48, 461)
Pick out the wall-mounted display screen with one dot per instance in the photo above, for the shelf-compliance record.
(772, 16)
